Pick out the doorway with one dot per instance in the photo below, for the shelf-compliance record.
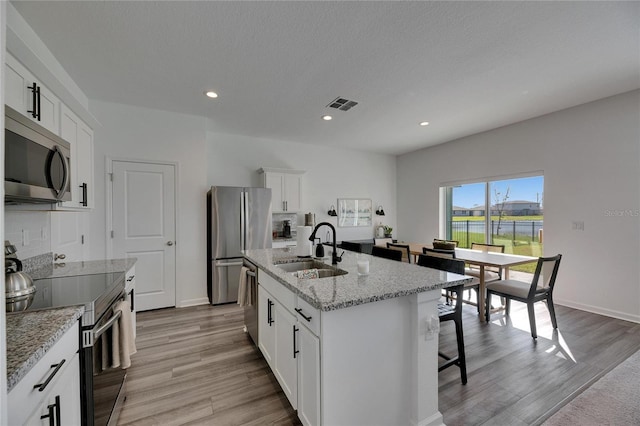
(142, 208)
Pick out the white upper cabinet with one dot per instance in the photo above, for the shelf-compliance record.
(80, 136)
(286, 188)
(27, 95)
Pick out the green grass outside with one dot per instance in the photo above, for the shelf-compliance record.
(522, 246)
(495, 218)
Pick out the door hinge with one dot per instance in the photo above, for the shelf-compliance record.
(111, 177)
(112, 234)
(82, 239)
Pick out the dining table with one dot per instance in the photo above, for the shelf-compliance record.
(482, 259)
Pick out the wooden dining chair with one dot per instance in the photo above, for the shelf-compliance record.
(539, 289)
(447, 254)
(403, 248)
(351, 246)
(444, 244)
(447, 312)
(387, 253)
(382, 241)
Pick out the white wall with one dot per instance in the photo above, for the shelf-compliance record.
(590, 156)
(331, 173)
(35, 226)
(139, 133)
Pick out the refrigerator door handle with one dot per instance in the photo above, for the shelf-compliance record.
(242, 220)
(245, 214)
(221, 263)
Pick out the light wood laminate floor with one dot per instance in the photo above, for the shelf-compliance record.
(196, 366)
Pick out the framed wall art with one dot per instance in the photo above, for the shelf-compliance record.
(354, 212)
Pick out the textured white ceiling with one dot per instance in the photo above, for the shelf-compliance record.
(465, 67)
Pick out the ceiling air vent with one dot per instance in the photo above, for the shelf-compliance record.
(342, 104)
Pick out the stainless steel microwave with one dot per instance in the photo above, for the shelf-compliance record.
(36, 162)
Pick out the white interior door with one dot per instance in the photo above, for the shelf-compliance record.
(143, 216)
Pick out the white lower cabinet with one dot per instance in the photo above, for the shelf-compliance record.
(286, 368)
(290, 347)
(266, 326)
(62, 405)
(49, 394)
(308, 358)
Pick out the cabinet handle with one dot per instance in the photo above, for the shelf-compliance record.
(269, 316)
(286, 206)
(133, 299)
(295, 351)
(299, 310)
(42, 386)
(34, 112)
(49, 415)
(84, 201)
(39, 103)
(130, 278)
(58, 409)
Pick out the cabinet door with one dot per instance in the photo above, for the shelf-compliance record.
(275, 181)
(84, 166)
(308, 376)
(286, 367)
(16, 78)
(18, 96)
(62, 401)
(80, 136)
(49, 110)
(293, 192)
(266, 327)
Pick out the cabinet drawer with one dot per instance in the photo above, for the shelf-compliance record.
(308, 315)
(279, 291)
(24, 398)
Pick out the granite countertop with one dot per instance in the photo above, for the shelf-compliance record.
(87, 267)
(386, 279)
(31, 334)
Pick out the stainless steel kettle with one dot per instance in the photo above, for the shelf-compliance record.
(19, 288)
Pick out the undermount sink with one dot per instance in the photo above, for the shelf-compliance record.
(324, 270)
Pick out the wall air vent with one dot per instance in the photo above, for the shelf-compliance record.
(342, 104)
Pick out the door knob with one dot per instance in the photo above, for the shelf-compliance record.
(169, 243)
(59, 256)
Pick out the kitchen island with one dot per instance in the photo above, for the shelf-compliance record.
(353, 349)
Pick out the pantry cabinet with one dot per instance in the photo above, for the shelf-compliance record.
(286, 188)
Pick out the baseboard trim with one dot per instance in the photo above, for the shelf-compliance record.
(598, 310)
(192, 302)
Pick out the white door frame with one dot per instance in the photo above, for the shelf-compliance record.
(109, 204)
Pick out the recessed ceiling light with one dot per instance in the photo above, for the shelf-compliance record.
(211, 94)
(424, 123)
(327, 117)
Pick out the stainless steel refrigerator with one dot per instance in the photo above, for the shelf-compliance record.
(237, 219)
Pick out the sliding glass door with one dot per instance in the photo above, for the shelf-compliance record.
(507, 212)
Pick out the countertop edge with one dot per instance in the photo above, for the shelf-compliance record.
(331, 306)
(70, 316)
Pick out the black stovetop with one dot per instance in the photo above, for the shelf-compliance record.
(96, 292)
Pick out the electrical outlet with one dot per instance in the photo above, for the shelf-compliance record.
(43, 233)
(25, 237)
(577, 225)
